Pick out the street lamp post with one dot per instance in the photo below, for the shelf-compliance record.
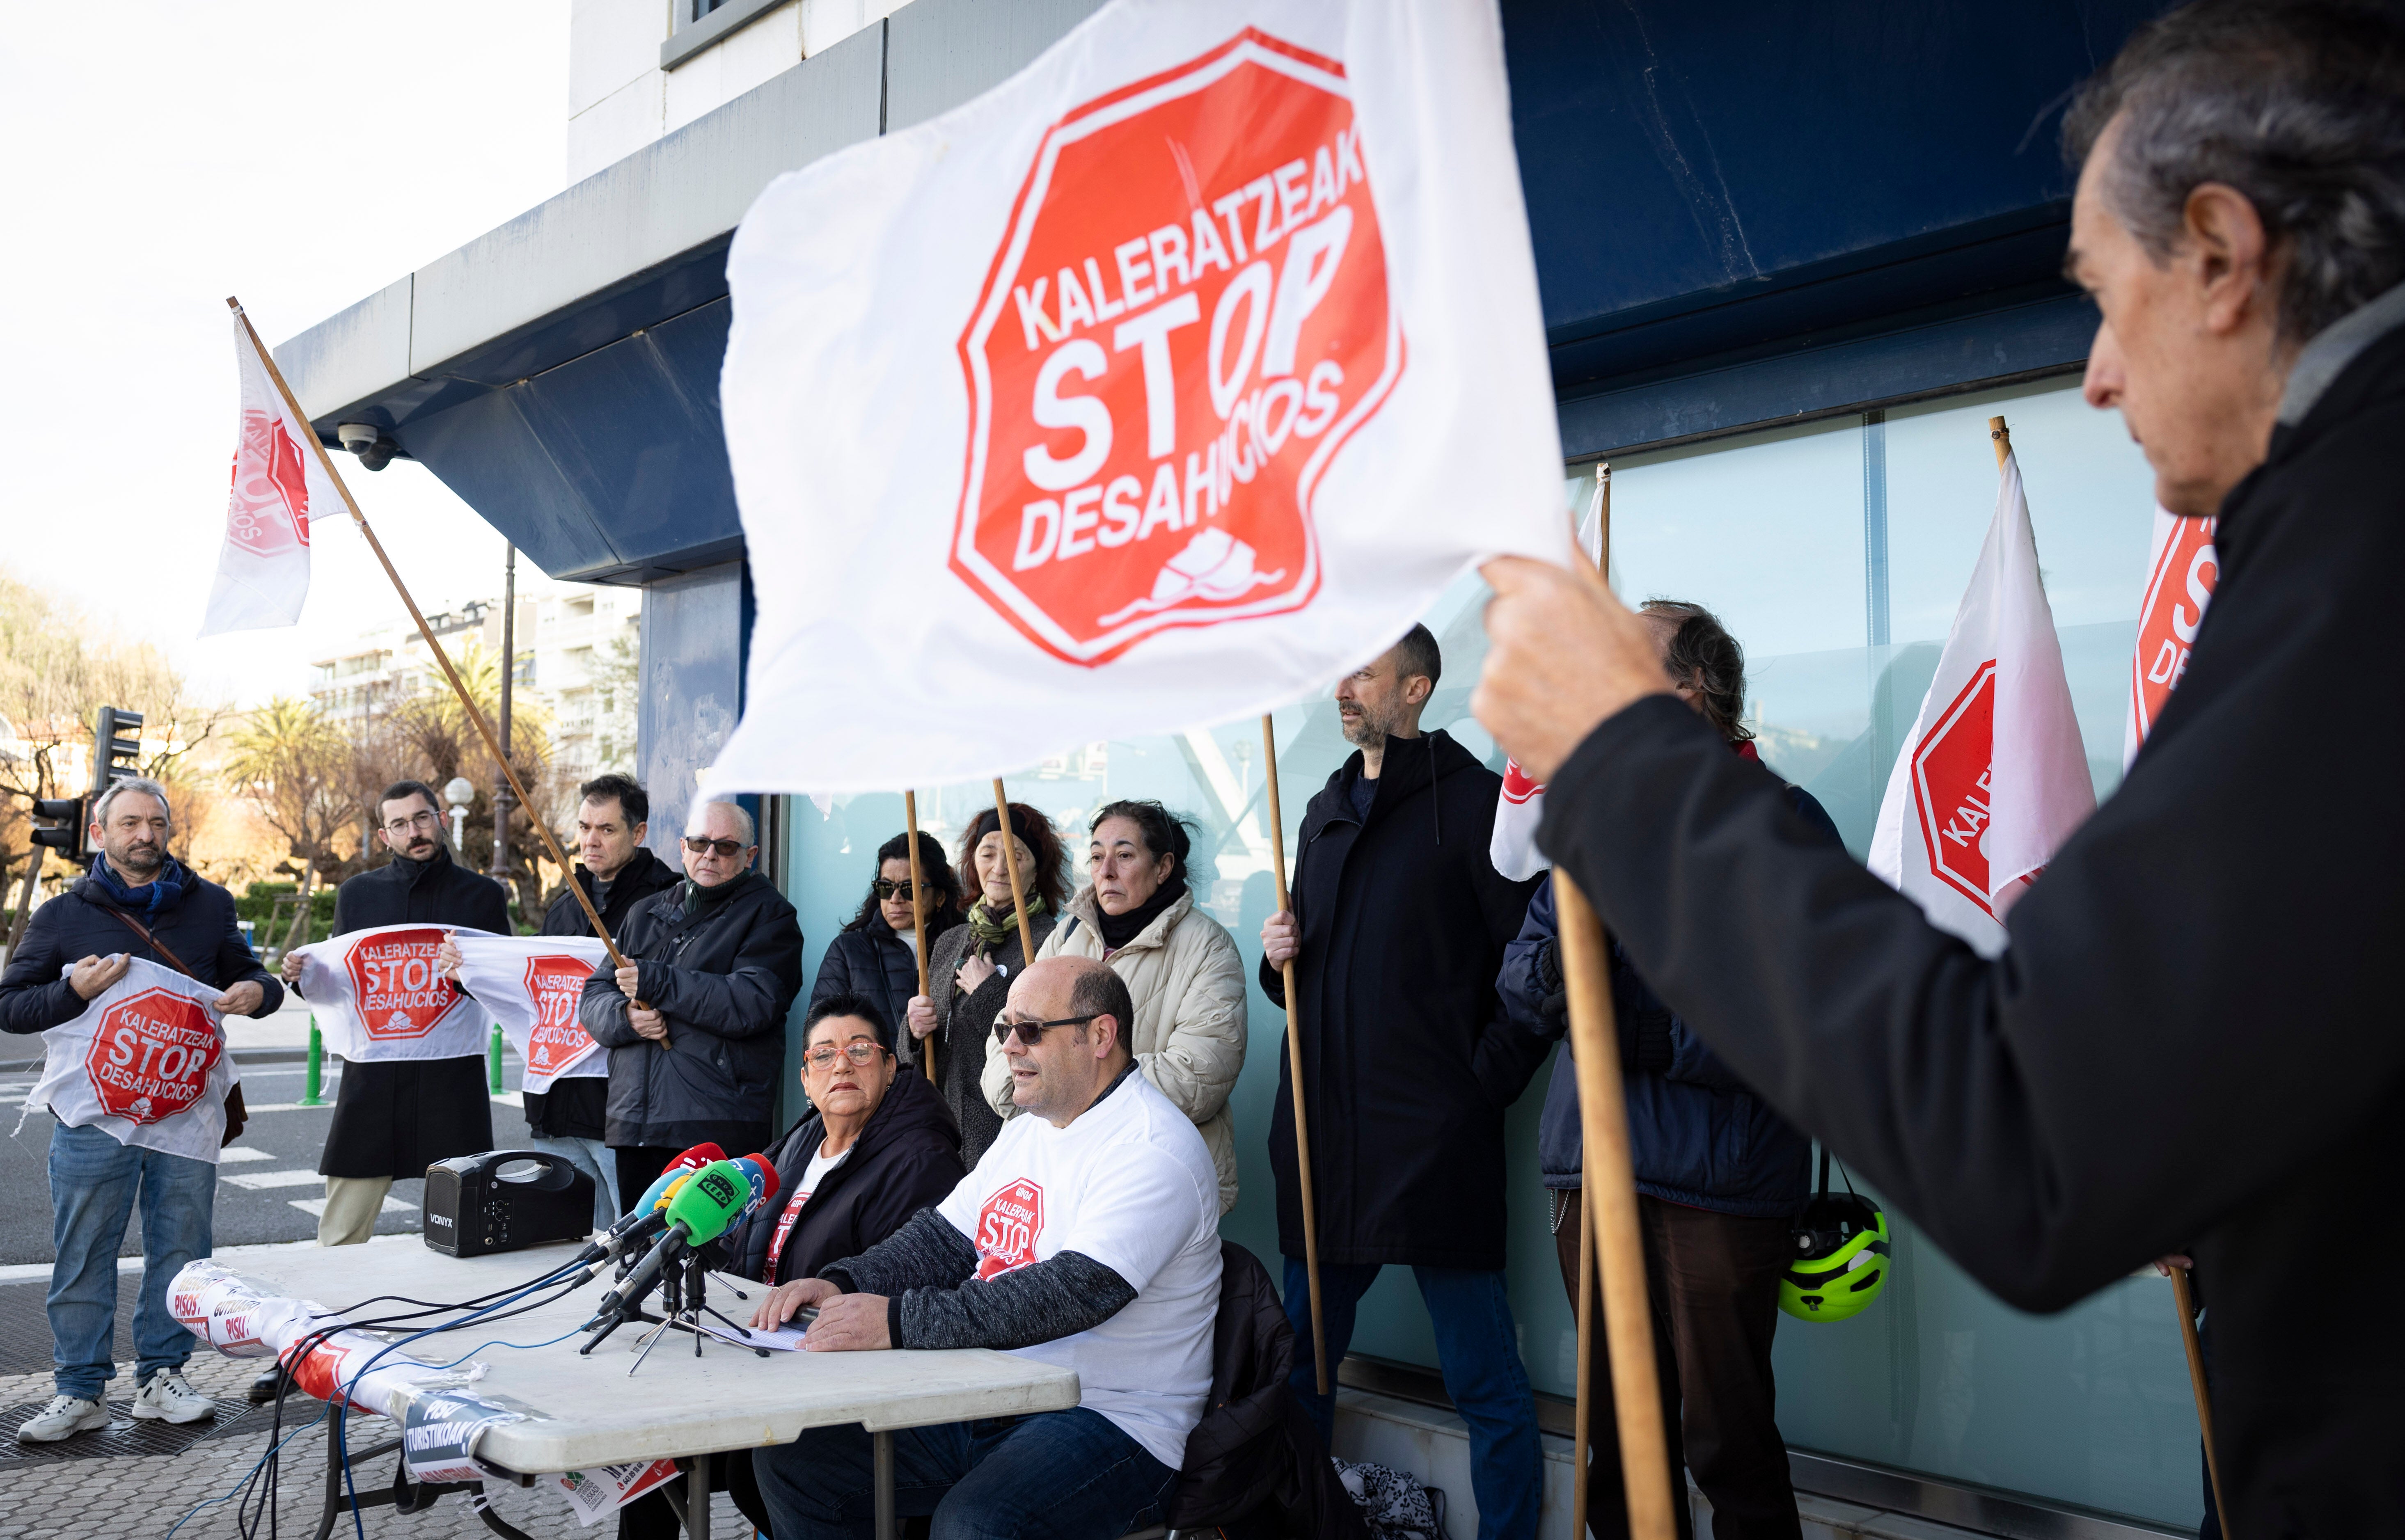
(502, 797)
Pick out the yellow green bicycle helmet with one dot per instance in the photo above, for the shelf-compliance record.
(1841, 1256)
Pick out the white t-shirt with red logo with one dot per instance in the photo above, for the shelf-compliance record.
(813, 1176)
(1128, 1183)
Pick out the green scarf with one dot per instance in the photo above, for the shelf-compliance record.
(993, 934)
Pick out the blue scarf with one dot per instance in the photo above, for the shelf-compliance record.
(162, 893)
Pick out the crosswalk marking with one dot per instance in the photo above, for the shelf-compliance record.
(317, 1204)
(232, 1152)
(262, 1181)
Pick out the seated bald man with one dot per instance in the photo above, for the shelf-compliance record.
(1087, 1237)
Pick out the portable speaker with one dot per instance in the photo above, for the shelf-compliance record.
(505, 1200)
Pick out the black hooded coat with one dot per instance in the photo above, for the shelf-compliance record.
(1407, 1057)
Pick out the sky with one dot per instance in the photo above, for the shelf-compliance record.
(302, 156)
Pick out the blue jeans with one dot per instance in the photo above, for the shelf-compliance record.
(1056, 1476)
(94, 1180)
(592, 1157)
(1479, 1351)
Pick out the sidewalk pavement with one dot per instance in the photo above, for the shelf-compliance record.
(286, 1032)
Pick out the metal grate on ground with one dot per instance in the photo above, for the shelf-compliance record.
(124, 1435)
(25, 1326)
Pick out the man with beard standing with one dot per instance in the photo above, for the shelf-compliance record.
(395, 1117)
(1398, 927)
(138, 901)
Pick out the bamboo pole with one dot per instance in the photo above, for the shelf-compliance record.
(1294, 1062)
(919, 918)
(1608, 1181)
(1010, 860)
(484, 728)
(2003, 439)
(2185, 1298)
(1585, 1366)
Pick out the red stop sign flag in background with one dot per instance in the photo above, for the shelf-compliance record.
(556, 984)
(1187, 317)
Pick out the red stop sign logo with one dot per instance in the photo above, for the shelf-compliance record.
(1186, 318)
(268, 512)
(151, 1055)
(1951, 772)
(2178, 590)
(556, 985)
(1007, 1227)
(399, 992)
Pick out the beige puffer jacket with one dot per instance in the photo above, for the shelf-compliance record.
(1188, 984)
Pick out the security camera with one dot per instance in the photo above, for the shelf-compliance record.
(367, 441)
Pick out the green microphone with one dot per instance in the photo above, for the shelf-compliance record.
(713, 1198)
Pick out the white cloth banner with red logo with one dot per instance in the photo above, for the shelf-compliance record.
(1162, 383)
(532, 985)
(1520, 807)
(1993, 777)
(2181, 575)
(278, 487)
(378, 994)
(146, 1062)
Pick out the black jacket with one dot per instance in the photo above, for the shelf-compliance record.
(723, 966)
(875, 962)
(2192, 1042)
(1698, 1134)
(577, 1108)
(907, 1158)
(395, 1117)
(82, 922)
(1406, 1055)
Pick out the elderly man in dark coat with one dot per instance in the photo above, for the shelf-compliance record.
(2190, 1043)
(695, 1022)
(393, 1118)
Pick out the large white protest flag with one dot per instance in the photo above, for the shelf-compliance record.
(2181, 574)
(279, 485)
(144, 1063)
(1158, 385)
(1993, 777)
(532, 985)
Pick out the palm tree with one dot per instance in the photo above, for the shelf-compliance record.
(294, 765)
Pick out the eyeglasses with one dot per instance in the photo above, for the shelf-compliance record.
(727, 848)
(822, 1057)
(427, 820)
(888, 888)
(1030, 1034)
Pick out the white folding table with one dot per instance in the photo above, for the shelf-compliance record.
(585, 1411)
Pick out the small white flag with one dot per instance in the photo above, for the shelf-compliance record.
(279, 485)
(1157, 387)
(1993, 777)
(2181, 576)
(533, 985)
(1520, 807)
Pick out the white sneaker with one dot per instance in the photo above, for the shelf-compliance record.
(167, 1397)
(65, 1416)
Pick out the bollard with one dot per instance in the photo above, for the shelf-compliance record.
(493, 1057)
(314, 1081)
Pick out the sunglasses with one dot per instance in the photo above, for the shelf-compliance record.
(888, 888)
(822, 1057)
(727, 848)
(1030, 1034)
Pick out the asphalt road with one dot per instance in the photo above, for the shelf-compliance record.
(266, 1184)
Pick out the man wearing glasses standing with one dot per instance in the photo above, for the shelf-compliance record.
(395, 1117)
(696, 1020)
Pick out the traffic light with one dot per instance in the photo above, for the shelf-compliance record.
(116, 744)
(65, 831)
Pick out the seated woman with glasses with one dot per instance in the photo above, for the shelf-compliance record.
(970, 970)
(874, 1148)
(873, 956)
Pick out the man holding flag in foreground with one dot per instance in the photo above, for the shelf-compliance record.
(2145, 1065)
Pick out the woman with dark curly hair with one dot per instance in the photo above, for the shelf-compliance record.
(874, 955)
(1137, 913)
(970, 970)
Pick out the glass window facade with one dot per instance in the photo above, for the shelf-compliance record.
(1836, 554)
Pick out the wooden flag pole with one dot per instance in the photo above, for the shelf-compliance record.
(1010, 860)
(1294, 1062)
(1608, 1181)
(484, 728)
(1584, 1425)
(2185, 1298)
(2003, 439)
(918, 917)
